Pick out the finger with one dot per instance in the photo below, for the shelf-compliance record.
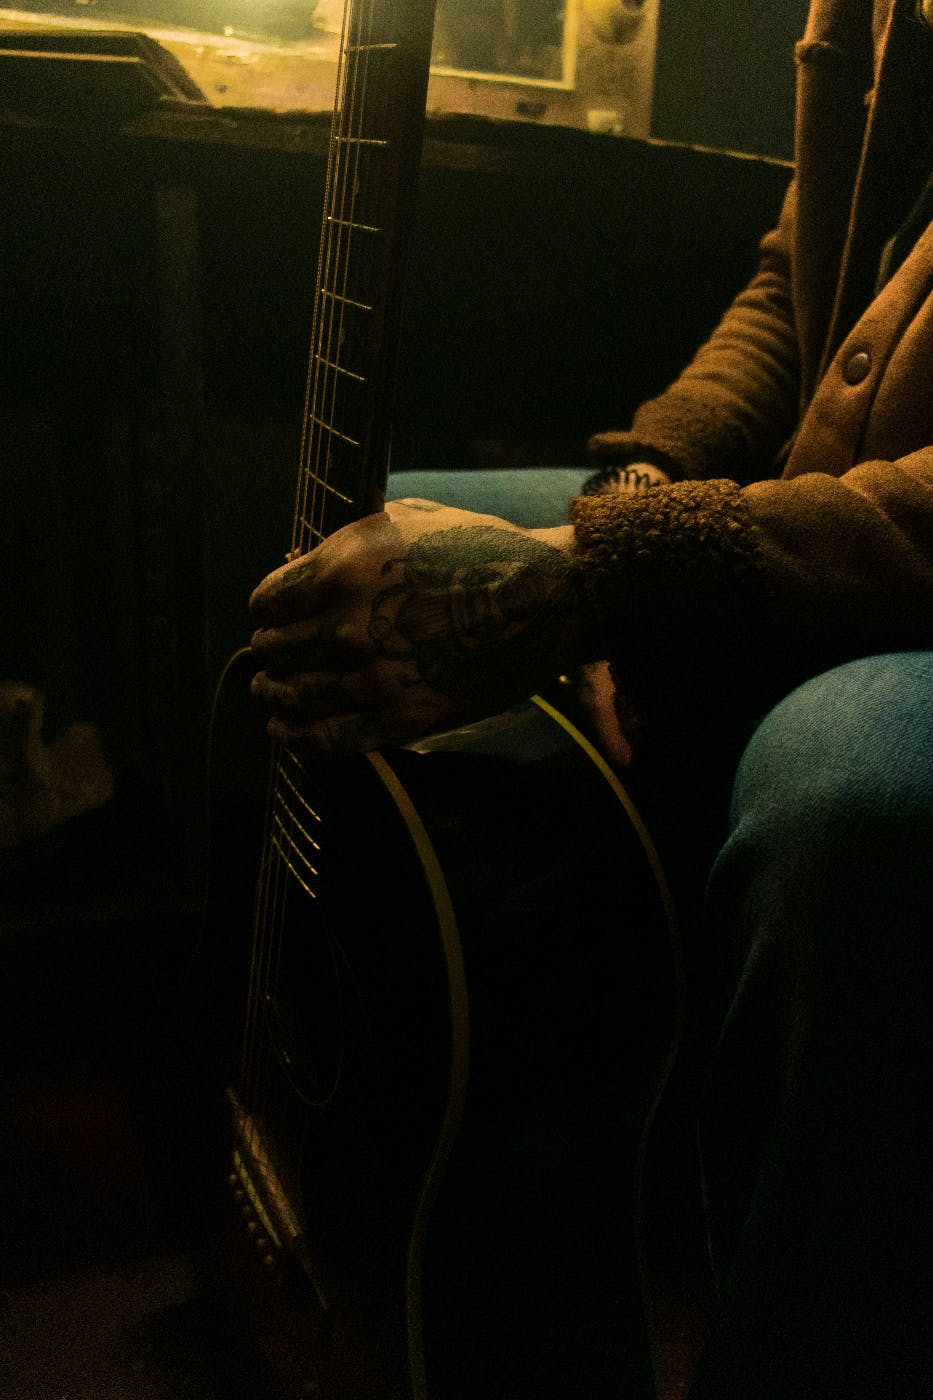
(305, 696)
(283, 643)
(359, 732)
(311, 644)
(294, 590)
(364, 728)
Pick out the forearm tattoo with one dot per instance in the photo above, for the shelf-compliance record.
(473, 609)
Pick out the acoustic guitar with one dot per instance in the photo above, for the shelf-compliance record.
(459, 1004)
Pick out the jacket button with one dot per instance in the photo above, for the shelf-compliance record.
(856, 367)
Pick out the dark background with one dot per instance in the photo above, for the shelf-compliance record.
(725, 73)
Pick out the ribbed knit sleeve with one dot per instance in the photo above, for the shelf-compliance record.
(713, 600)
(676, 582)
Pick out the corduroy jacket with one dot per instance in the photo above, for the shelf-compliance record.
(798, 530)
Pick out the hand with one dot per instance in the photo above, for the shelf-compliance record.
(411, 620)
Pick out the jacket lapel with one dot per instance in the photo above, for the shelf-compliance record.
(834, 72)
(892, 169)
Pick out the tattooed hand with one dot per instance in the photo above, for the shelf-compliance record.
(411, 620)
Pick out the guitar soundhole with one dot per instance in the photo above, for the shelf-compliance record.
(304, 1014)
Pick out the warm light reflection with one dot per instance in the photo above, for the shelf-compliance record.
(584, 63)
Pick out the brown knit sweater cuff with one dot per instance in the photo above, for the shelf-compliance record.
(675, 581)
(690, 439)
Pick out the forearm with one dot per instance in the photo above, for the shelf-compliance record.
(713, 601)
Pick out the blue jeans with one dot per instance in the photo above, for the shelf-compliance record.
(535, 497)
(816, 1127)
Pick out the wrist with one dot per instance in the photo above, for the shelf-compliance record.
(629, 472)
(636, 477)
(581, 642)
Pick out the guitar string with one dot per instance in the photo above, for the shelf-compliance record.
(336, 236)
(247, 1129)
(258, 922)
(341, 230)
(297, 545)
(345, 218)
(314, 436)
(277, 912)
(336, 252)
(321, 391)
(273, 942)
(284, 885)
(310, 386)
(331, 238)
(271, 895)
(276, 888)
(317, 437)
(322, 327)
(323, 400)
(275, 893)
(341, 236)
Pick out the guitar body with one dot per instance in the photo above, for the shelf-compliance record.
(455, 1066)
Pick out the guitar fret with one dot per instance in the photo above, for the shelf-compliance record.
(341, 369)
(345, 301)
(284, 855)
(300, 796)
(352, 224)
(314, 531)
(288, 837)
(331, 490)
(284, 835)
(361, 141)
(297, 763)
(329, 428)
(368, 48)
(286, 812)
(292, 816)
(299, 769)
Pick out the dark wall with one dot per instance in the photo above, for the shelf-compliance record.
(725, 73)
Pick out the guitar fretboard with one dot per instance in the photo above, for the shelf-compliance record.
(373, 153)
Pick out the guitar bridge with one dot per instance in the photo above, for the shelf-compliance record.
(269, 1213)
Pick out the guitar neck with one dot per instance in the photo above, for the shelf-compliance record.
(373, 157)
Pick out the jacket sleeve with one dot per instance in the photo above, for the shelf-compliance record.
(715, 600)
(730, 412)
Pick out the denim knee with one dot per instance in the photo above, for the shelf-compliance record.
(846, 760)
(832, 818)
(815, 1120)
